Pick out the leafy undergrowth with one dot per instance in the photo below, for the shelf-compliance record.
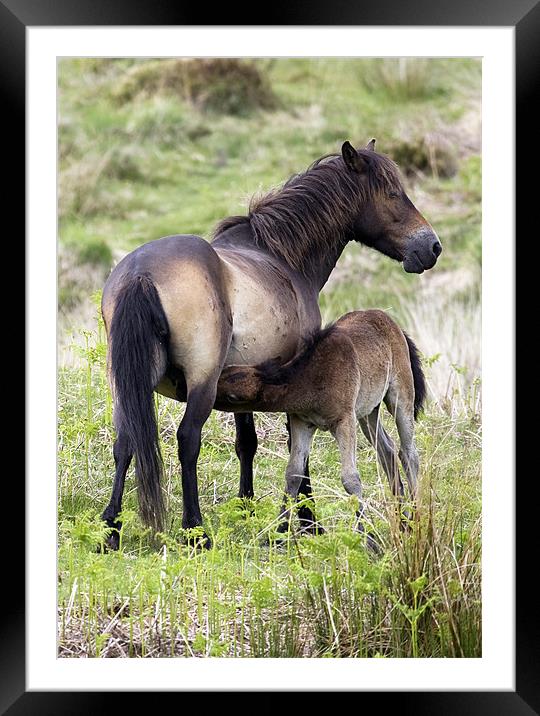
(253, 595)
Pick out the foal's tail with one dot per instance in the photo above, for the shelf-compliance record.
(418, 376)
(138, 338)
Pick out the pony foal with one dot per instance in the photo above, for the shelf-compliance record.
(342, 374)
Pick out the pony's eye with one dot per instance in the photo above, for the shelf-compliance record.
(393, 195)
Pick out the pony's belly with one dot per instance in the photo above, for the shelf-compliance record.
(260, 340)
(369, 397)
(315, 419)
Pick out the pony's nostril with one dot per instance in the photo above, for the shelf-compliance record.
(437, 248)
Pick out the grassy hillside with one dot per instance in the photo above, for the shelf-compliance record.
(154, 147)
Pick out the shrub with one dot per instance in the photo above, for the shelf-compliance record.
(229, 86)
(428, 153)
(96, 252)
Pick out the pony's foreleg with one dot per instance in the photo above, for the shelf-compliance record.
(308, 521)
(300, 437)
(246, 447)
(345, 435)
(122, 459)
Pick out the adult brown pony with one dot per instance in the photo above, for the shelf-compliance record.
(179, 309)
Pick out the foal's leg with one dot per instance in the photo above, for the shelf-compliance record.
(387, 454)
(345, 435)
(385, 448)
(403, 411)
(122, 459)
(308, 521)
(408, 454)
(246, 447)
(300, 437)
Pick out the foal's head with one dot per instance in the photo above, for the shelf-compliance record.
(239, 384)
(388, 220)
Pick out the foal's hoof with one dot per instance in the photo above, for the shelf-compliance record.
(278, 537)
(405, 521)
(308, 522)
(371, 543)
(373, 546)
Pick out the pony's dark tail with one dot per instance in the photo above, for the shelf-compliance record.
(418, 376)
(138, 338)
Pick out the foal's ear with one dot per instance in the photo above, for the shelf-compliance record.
(370, 146)
(353, 161)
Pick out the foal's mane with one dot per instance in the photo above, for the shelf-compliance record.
(272, 372)
(313, 211)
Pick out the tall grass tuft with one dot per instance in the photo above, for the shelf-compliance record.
(403, 78)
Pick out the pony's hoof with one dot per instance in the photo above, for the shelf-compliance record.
(312, 529)
(199, 541)
(112, 541)
(279, 541)
(279, 537)
(248, 504)
(111, 544)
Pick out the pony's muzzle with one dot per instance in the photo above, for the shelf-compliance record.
(423, 250)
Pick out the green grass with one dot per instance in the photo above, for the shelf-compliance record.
(159, 162)
(306, 596)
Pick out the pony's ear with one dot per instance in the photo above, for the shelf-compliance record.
(353, 161)
(370, 146)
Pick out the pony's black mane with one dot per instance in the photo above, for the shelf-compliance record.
(314, 210)
(272, 372)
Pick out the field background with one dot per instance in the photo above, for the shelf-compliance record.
(155, 147)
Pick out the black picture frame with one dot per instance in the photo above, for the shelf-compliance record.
(524, 16)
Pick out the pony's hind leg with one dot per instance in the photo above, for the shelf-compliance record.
(306, 516)
(246, 447)
(408, 454)
(385, 449)
(402, 409)
(122, 459)
(300, 438)
(200, 400)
